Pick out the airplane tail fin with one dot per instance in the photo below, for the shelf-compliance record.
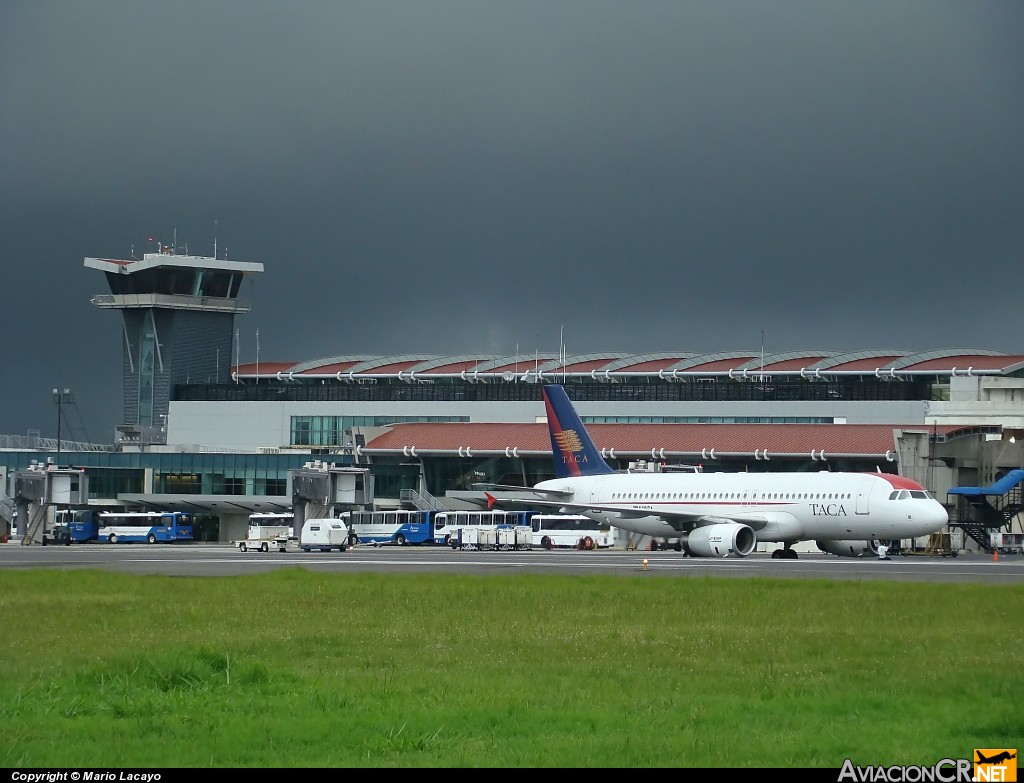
(573, 450)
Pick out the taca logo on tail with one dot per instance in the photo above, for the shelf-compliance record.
(576, 454)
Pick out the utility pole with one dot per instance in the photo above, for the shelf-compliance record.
(60, 399)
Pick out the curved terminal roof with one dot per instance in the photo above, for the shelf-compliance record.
(666, 366)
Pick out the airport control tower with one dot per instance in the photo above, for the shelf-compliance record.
(179, 314)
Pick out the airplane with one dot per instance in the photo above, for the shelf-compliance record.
(726, 514)
(1001, 756)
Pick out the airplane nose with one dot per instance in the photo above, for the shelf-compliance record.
(938, 516)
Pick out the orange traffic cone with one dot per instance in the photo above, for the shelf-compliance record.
(995, 555)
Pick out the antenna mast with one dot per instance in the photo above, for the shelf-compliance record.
(561, 351)
(762, 356)
(536, 358)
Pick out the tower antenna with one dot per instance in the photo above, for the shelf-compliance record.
(536, 358)
(762, 356)
(561, 352)
(215, 239)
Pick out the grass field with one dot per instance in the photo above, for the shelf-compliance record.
(300, 669)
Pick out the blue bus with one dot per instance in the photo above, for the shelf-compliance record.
(399, 527)
(131, 526)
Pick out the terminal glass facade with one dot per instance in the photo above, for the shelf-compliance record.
(716, 389)
(330, 430)
(192, 473)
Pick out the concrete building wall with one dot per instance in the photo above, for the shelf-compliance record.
(984, 400)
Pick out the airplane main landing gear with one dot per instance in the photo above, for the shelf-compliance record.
(786, 553)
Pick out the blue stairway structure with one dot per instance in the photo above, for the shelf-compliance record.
(981, 511)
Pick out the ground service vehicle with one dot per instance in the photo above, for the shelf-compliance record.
(449, 524)
(59, 532)
(1007, 543)
(505, 537)
(268, 531)
(324, 534)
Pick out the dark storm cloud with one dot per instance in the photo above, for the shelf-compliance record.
(474, 176)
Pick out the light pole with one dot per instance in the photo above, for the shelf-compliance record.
(60, 399)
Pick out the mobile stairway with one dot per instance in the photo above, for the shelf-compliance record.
(7, 514)
(982, 511)
(421, 501)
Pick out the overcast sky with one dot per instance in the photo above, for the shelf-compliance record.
(447, 176)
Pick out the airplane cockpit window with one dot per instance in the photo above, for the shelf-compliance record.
(919, 494)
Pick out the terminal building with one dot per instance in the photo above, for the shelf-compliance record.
(202, 432)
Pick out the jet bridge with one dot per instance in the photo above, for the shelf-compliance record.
(325, 490)
(39, 492)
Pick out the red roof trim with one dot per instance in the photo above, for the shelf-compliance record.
(792, 364)
(453, 367)
(721, 364)
(593, 364)
(263, 367)
(328, 368)
(871, 363)
(962, 362)
(524, 364)
(652, 366)
(394, 367)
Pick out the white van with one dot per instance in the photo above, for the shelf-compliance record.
(324, 534)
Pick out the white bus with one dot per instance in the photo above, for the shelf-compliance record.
(571, 530)
(449, 526)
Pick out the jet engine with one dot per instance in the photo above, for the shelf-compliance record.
(849, 548)
(721, 540)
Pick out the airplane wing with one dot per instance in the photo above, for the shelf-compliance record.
(532, 490)
(681, 520)
(543, 497)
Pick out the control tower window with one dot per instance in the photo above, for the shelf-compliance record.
(216, 283)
